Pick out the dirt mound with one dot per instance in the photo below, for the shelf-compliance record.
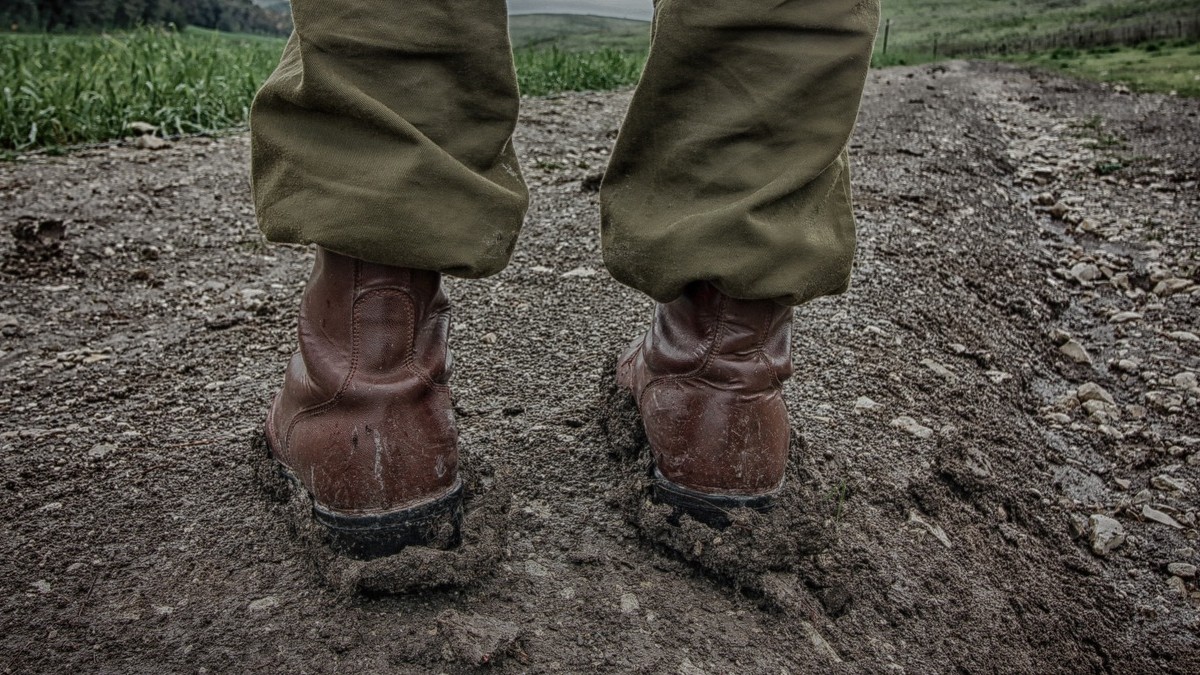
(995, 468)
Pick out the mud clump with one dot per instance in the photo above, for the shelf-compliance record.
(799, 525)
(453, 559)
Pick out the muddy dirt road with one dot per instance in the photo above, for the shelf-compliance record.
(997, 447)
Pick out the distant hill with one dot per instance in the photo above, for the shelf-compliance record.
(578, 32)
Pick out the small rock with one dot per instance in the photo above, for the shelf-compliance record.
(262, 604)
(1159, 517)
(1107, 534)
(913, 427)
(1184, 336)
(1177, 585)
(1128, 365)
(535, 569)
(1094, 392)
(938, 369)
(1045, 199)
(1172, 286)
(629, 603)
(1075, 351)
(142, 128)
(1085, 272)
(931, 528)
(1059, 210)
(865, 403)
(1124, 317)
(489, 338)
(1185, 381)
(151, 143)
(1181, 569)
(101, 450)
(580, 272)
(1123, 483)
(997, 376)
(1168, 484)
(41, 585)
(1059, 336)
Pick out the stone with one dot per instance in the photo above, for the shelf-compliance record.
(1177, 585)
(262, 604)
(629, 603)
(142, 128)
(1124, 317)
(865, 403)
(580, 272)
(913, 427)
(1094, 392)
(938, 369)
(1128, 366)
(1171, 286)
(1159, 517)
(1059, 210)
(1185, 380)
(1085, 272)
(1075, 351)
(1045, 199)
(1058, 336)
(1168, 484)
(101, 450)
(151, 143)
(1184, 336)
(1106, 534)
(1181, 569)
(997, 376)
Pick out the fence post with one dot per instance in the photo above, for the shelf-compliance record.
(887, 28)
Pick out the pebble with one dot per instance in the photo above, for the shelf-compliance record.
(1124, 317)
(1107, 534)
(580, 272)
(629, 603)
(1075, 351)
(149, 142)
(1178, 585)
(41, 585)
(1168, 484)
(912, 426)
(1085, 272)
(1171, 286)
(264, 603)
(1181, 569)
(939, 369)
(1159, 517)
(101, 450)
(1185, 381)
(997, 376)
(1094, 392)
(1184, 336)
(142, 128)
(865, 403)
(1128, 365)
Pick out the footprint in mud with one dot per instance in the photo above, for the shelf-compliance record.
(443, 563)
(753, 547)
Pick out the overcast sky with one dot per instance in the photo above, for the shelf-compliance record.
(629, 9)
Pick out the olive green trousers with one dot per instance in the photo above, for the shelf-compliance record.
(386, 134)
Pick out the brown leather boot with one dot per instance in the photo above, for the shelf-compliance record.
(708, 379)
(364, 420)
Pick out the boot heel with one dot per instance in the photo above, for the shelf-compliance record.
(712, 510)
(377, 535)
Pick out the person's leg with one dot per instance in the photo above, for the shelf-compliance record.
(727, 199)
(384, 136)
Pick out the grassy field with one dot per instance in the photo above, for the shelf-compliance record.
(915, 24)
(66, 90)
(63, 90)
(1154, 66)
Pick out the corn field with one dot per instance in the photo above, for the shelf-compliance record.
(71, 89)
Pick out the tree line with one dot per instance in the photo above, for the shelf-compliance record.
(237, 16)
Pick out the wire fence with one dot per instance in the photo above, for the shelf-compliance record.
(1081, 36)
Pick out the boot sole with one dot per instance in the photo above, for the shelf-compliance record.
(369, 536)
(710, 509)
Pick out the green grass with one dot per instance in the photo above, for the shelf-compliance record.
(916, 23)
(1155, 66)
(72, 89)
(548, 71)
(575, 33)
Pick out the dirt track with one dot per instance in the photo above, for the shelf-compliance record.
(1003, 216)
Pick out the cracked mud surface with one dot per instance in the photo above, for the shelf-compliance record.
(1013, 372)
